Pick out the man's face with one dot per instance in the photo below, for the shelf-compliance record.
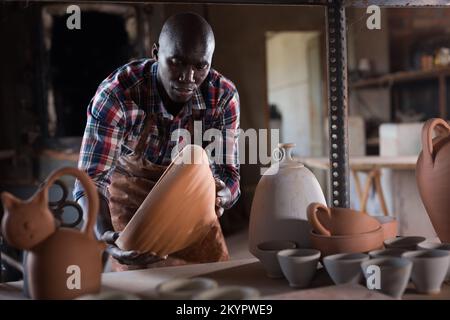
(182, 67)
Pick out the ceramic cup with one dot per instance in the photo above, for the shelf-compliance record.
(391, 252)
(299, 266)
(429, 269)
(267, 251)
(406, 243)
(184, 289)
(345, 267)
(393, 274)
(228, 293)
(437, 246)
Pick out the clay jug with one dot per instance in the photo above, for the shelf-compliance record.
(180, 209)
(339, 221)
(282, 195)
(433, 175)
(62, 263)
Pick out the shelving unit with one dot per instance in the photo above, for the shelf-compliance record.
(388, 80)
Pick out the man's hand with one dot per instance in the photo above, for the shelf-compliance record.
(131, 257)
(223, 196)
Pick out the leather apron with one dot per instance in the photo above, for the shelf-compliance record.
(132, 179)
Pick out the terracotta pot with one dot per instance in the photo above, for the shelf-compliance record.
(68, 262)
(339, 221)
(178, 211)
(433, 175)
(278, 209)
(389, 225)
(356, 243)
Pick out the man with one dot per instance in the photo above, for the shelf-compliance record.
(134, 114)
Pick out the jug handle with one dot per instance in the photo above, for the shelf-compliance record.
(427, 135)
(91, 193)
(312, 217)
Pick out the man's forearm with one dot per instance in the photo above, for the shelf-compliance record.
(103, 218)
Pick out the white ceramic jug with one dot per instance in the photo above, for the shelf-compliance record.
(281, 198)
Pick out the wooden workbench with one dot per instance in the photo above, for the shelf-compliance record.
(245, 272)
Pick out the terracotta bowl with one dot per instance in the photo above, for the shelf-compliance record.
(429, 269)
(345, 267)
(394, 274)
(228, 293)
(184, 289)
(299, 265)
(389, 225)
(355, 243)
(267, 252)
(406, 243)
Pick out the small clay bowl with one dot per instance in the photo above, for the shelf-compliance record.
(389, 225)
(429, 269)
(228, 293)
(345, 267)
(436, 246)
(393, 277)
(391, 252)
(184, 289)
(355, 243)
(267, 251)
(299, 266)
(406, 243)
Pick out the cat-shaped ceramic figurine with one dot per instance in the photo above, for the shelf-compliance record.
(62, 263)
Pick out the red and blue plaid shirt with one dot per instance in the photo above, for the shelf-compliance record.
(116, 116)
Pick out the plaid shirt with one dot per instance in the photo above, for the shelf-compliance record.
(117, 113)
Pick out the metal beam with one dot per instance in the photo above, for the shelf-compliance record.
(337, 104)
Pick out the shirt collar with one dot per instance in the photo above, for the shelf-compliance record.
(156, 105)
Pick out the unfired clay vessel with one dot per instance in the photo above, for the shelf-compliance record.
(405, 243)
(429, 269)
(433, 175)
(279, 206)
(391, 252)
(299, 266)
(394, 274)
(178, 211)
(267, 252)
(183, 288)
(228, 293)
(355, 243)
(65, 264)
(339, 221)
(345, 267)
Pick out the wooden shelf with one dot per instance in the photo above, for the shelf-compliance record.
(399, 77)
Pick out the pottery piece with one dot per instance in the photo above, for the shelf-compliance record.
(389, 225)
(339, 221)
(68, 262)
(394, 274)
(345, 267)
(282, 195)
(406, 243)
(433, 175)
(299, 266)
(436, 246)
(429, 269)
(228, 293)
(267, 252)
(184, 289)
(164, 223)
(391, 252)
(355, 243)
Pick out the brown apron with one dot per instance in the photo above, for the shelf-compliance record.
(131, 181)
